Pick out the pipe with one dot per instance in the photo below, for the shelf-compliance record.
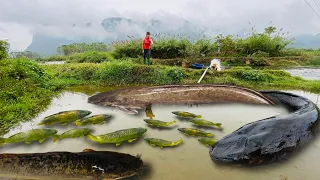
(203, 74)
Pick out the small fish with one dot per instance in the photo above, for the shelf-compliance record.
(195, 132)
(97, 119)
(64, 117)
(162, 143)
(119, 136)
(158, 123)
(201, 122)
(184, 114)
(207, 141)
(73, 133)
(32, 135)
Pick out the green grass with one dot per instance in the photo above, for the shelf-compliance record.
(26, 89)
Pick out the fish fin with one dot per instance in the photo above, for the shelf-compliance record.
(55, 138)
(92, 137)
(131, 140)
(210, 135)
(118, 144)
(199, 116)
(153, 145)
(102, 123)
(186, 134)
(63, 124)
(88, 150)
(77, 123)
(42, 140)
(218, 125)
(28, 142)
(174, 121)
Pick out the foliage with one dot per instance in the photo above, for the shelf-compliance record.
(4, 49)
(27, 54)
(94, 57)
(83, 47)
(26, 89)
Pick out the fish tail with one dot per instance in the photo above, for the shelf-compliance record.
(55, 138)
(210, 135)
(178, 142)
(218, 125)
(92, 137)
(77, 123)
(173, 122)
(198, 116)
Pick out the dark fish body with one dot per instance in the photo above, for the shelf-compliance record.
(184, 114)
(117, 137)
(97, 119)
(142, 97)
(31, 135)
(158, 123)
(90, 164)
(73, 133)
(195, 132)
(162, 143)
(64, 117)
(201, 122)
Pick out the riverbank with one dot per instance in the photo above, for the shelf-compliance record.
(27, 87)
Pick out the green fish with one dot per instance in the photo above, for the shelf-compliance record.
(183, 114)
(201, 122)
(162, 143)
(64, 117)
(32, 135)
(73, 133)
(158, 123)
(195, 132)
(207, 141)
(119, 136)
(97, 119)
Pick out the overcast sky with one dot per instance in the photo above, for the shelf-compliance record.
(20, 19)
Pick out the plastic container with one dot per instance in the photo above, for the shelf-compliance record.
(197, 66)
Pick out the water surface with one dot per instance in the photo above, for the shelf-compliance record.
(187, 161)
(306, 73)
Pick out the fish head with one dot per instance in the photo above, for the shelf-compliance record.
(181, 129)
(209, 134)
(84, 113)
(107, 116)
(87, 130)
(142, 131)
(51, 131)
(176, 112)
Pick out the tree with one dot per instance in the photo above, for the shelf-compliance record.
(4, 49)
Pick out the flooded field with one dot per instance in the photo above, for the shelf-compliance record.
(306, 73)
(188, 161)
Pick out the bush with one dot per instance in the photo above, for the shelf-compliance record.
(90, 57)
(4, 48)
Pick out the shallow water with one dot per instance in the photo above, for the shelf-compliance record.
(187, 161)
(306, 73)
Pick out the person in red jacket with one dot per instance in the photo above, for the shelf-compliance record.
(146, 44)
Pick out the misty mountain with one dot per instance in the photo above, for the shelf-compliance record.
(118, 28)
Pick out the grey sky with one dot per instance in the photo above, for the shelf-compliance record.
(20, 19)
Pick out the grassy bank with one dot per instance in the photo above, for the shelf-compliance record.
(26, 89)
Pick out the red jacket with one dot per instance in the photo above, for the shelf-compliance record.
(146, 43)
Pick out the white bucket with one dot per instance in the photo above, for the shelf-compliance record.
(215, 63)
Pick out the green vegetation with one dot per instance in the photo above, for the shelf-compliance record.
(4, 48)
(26, 89)
(83, 47)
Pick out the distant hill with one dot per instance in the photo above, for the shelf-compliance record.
(120, 28)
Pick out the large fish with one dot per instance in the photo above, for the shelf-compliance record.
(184, 114)
(158, 123)
(117, 137)
(201, 122)
(86, 165)
(32, 135)
(195, 132)
(73, 133)
(142, 97)
(162, 143)
(64, 117)
(97, 119)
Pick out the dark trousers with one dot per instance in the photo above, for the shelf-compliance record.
(146, 56)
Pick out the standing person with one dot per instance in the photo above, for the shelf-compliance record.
(146, 44)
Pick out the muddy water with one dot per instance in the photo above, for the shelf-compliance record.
(188, 161)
